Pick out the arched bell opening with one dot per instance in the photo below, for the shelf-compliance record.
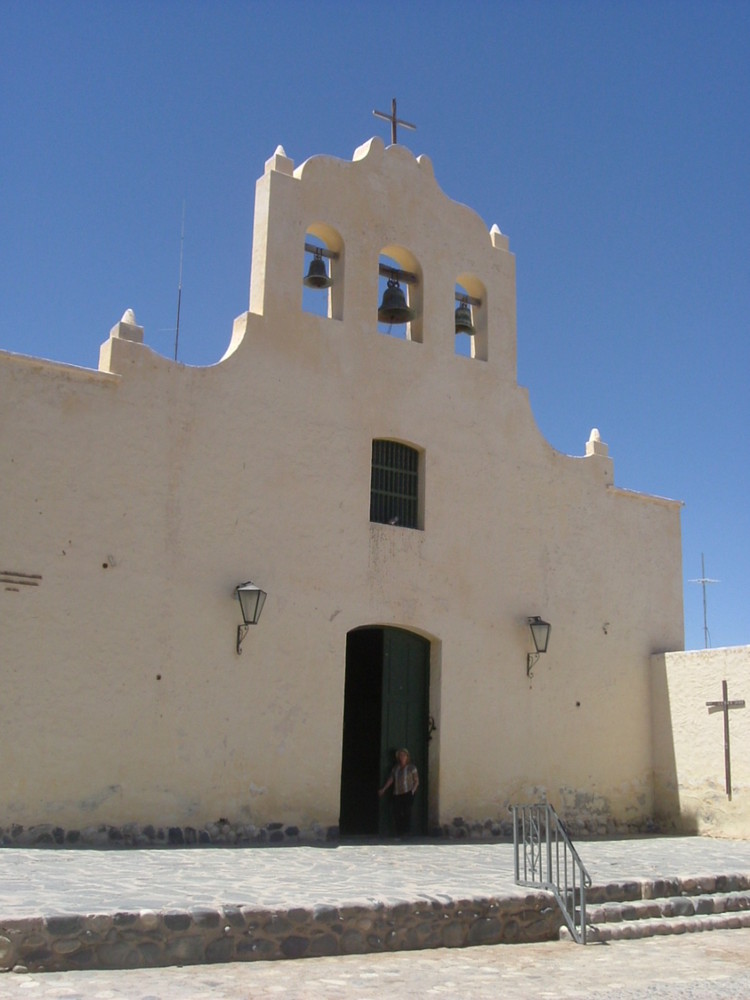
(400, 294)
(323, 272)
(470, 317)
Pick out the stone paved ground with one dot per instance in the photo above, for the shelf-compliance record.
(710, 966)
(48, 880)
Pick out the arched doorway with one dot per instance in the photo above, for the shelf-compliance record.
(386, 706)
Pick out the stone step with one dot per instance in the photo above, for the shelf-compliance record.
(635, 910)
(668, 907)
(651, 927)
(660, 888)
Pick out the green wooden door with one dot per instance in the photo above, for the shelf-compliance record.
(404, 716)
(386, 705)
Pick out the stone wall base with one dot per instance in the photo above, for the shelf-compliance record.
(148, 938)
(221, 833)
(493, 829)
(224, 833)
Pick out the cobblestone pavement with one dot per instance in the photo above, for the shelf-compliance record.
(706, 965)
(49, 881)
(710, 966)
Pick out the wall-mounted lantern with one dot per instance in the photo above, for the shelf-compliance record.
(540, 631)
(251, 600)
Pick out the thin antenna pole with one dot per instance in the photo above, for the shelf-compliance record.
(179, 286)
(703, 581)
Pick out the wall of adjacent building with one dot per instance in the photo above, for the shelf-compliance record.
(690, 775)
(136, 498)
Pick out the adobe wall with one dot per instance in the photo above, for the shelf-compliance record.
(690, 775)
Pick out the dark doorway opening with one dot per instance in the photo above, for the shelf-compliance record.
(386, 706)
(360, 766)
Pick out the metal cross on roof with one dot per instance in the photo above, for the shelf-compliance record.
(394, 120)
(723, 706)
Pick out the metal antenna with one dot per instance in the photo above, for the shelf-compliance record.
(179, 286)
(703, 581)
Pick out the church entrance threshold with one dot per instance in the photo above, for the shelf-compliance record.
(386, 706)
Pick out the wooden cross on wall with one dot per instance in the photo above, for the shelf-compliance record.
(724, 706)
(394, 120)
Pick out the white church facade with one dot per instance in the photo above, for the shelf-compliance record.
(399, 507)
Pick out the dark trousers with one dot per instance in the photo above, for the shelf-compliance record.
(402, 813)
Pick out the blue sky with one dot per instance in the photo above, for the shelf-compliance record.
(609, 140)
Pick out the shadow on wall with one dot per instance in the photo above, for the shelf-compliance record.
(666, 809)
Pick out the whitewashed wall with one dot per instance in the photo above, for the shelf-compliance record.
(690, 778)
(136, 498)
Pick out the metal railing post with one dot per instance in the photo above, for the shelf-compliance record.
(548, 826)
(527, 836)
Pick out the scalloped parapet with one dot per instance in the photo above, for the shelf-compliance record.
(373, 146)
(384, 202)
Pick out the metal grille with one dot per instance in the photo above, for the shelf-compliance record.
(394, 486)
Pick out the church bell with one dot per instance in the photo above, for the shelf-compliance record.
(464, 322)
(393, 308)
(317, 275)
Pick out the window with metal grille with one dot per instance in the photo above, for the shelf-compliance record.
(394, 485)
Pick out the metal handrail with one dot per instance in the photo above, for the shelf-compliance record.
(550, 862)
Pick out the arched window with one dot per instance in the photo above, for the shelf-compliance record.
(395, 491)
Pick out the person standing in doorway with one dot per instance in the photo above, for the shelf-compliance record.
(405, 780)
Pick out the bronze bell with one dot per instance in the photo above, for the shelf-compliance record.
(393, 308)
(464, 322)
(317, 275)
